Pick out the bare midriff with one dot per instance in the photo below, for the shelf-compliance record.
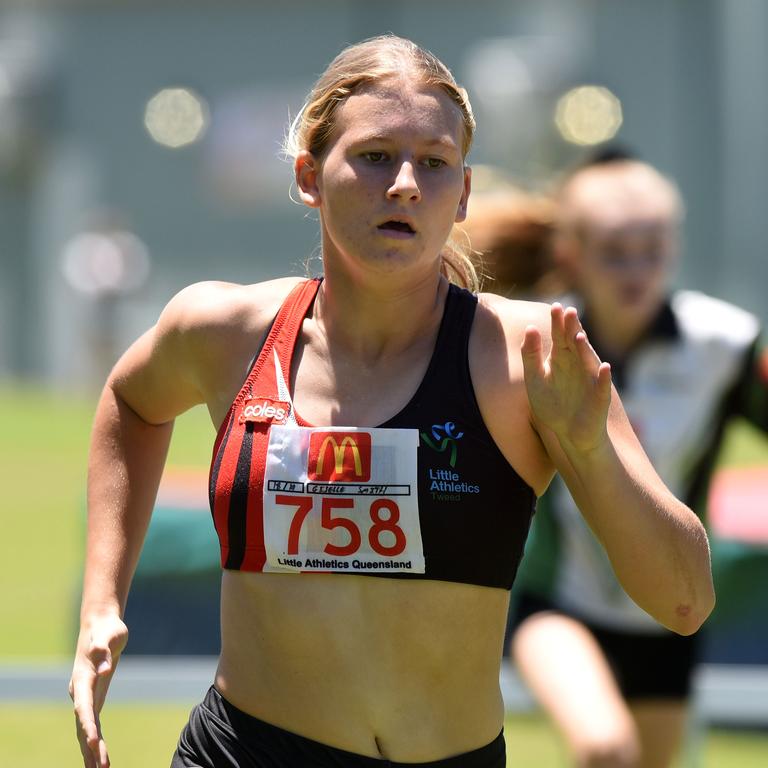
(406, 670)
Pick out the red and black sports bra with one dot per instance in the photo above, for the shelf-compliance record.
(425, 495)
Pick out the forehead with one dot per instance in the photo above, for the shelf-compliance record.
(607, 203)
(398, 107)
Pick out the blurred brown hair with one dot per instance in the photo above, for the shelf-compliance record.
(510, 232)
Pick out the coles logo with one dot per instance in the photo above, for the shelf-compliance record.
(264, 410)
(339, 456)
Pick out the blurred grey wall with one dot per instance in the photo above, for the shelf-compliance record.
(75, 78)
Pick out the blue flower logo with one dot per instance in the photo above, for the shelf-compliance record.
(444, 436)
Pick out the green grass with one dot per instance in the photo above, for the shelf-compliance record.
(532, 741)
(744, 445)
(145, 737)
(43, 736)
(43, 455)
(43, 445)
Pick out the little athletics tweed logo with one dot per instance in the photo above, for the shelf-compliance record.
(446, 484)
(444, 439)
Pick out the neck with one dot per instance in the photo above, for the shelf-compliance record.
(379, 316)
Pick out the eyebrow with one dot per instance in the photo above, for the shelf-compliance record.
(382, 137)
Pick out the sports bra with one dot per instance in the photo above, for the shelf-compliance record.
(425, 495)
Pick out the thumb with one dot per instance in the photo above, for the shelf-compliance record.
(108, 639)
(107, 642)
(101, 656)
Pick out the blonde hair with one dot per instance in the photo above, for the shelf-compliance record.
(362, 64)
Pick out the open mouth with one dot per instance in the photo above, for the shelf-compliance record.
(397, 226)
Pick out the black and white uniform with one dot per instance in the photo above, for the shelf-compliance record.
(702, 362)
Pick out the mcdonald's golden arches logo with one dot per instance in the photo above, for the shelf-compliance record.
(339, 457)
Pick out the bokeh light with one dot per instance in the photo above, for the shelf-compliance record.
(176, 117)
(102, 263)
(588, 115)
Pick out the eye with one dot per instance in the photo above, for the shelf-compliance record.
(375, 157)
(613, 258)
(434, 162)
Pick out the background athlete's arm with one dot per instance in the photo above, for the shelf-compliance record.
(750, 395)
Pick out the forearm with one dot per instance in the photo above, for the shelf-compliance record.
(125, 465)
(657, 546)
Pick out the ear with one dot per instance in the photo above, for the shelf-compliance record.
(306, 171)
(461, 211)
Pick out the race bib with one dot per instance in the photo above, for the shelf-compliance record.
(342, 499)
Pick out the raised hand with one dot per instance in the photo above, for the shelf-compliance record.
(99, 648)
(569, 390)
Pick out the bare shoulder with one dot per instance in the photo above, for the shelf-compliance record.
(214, 307)
(503, 321)
(498, 379)
(200, 348)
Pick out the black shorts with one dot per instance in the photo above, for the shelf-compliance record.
(646, 666)
(218, 735)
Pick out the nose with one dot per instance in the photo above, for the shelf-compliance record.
(404, 185)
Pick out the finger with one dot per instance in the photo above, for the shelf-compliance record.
(96, 748)
(604, 381)
(84, 686)
(104, 662)
(88, 758)
(557, 316)
(101, 755)
(571, 327)
(531, 352)
(592, 365)
(571, 321)
(589, 358)
(89, 737)
(101, 688)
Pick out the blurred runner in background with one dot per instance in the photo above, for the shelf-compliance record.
(614, 681)
(510, 232)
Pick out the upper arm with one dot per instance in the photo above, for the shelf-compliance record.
(497, 377)
(199, 349)
(159, 374)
